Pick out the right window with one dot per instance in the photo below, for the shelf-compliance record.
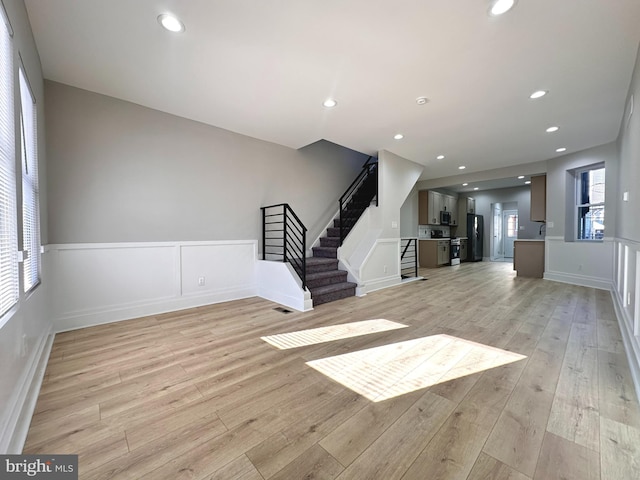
(590, 203)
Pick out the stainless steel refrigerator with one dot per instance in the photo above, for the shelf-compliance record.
(475, 233)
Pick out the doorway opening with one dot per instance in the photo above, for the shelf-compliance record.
(510, 232)
(504, 230)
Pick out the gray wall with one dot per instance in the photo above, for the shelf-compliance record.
(628, 225)
(508, 197)
(560, 189)
(119, 172)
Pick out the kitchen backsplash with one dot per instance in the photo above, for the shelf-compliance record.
(424, 231)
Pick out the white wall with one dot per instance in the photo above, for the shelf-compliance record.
(371, 253)
(397, 179)
(409, 215)
(25, 329)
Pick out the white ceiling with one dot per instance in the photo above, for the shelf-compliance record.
(263, 68)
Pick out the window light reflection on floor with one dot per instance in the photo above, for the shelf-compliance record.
(391, 370)
(314, 336)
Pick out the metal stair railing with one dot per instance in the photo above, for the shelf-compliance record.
(284, 238)
(408, 257)
(367, 177)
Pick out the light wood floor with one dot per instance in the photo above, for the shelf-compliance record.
(197, 394)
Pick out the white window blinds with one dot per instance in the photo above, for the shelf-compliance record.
(30, 194)
(8, 216)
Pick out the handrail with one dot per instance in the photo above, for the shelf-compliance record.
(409, 258)
(369, 169)
(287, 238)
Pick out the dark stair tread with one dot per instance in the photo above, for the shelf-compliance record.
(325, 274)
(336, 287)
(329, 252)
(333, 242)
(332, 296)
(315, 261)
(321, 264)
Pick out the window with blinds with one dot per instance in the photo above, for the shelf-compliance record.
(30, 194)
(8, 217)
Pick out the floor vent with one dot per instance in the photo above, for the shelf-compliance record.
(282, 310)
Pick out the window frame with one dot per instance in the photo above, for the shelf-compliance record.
(9, 269)
(31, 259)
(578, 173)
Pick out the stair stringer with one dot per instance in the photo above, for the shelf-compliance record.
(278, 282)
(357, 248)
(323, 232)
(316, 241)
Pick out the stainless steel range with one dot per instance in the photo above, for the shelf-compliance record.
(455, 251)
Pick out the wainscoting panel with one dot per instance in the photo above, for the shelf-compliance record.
(219, 267)
(626, 295)
(101, 283)
(381, 267)
(580, 263)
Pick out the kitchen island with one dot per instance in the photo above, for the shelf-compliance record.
(528, 258)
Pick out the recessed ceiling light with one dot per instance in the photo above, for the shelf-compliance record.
(465, 184)
(461, 167)
(520, 177)
(552, 129)
(527, 182)
(171, 23)
(561, 149)
(422, 100)
(329, 103)
(538, 94)
(440, 157)
(499, 7)
(476, 188)
(398, 136)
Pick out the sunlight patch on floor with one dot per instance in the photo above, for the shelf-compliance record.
(385, 372)
(313, 336)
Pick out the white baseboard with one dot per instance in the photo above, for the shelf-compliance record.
(581, 280)
(379, 284)
(23, 402)
(631, 346)
(120, 313)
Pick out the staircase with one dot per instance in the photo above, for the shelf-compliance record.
(284, 239)
(325, 282)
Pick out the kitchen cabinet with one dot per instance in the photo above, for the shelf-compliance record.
(435, 206)
(434, 253)
(465, 205)
(450, 204)
(444, 252)
(471, 205)
(528, 258)
(464, 249)
(539, 198)
(429, 205)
